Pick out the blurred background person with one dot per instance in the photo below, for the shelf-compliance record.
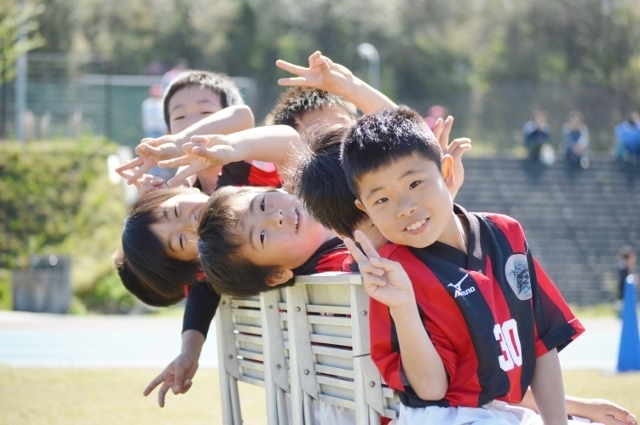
(181, 65)
(153, 124)
(537, 132)
(576, 140)
(435, 112)
(628, 139)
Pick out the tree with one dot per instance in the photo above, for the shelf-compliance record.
(13, 23)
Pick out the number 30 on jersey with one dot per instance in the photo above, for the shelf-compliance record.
(507, 336)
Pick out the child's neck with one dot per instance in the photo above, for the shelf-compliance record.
(456, 233)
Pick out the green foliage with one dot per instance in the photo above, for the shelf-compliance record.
(56, 198)
(13, 22)
(109, 296)
(5, 290)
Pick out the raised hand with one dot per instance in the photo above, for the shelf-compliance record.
(384, 280)
(150, 151)
(201, 153)
(145, 183)
(456, 149)
(321, 74)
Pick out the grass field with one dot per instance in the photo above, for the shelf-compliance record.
(114, 396)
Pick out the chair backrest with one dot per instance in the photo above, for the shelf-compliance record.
(328, 331)
(251, 349)
(310, 340)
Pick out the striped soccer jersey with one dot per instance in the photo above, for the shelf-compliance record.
(489, 314)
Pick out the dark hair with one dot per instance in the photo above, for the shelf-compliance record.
(219, 248)
(143, 290)
(217, 83)
(144, 267)
(627, 251)
(381, 138)
(296, 101)
(322, 185)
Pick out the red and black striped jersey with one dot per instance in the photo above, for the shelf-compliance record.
(489, 313)
(329, 257)
(244, 173)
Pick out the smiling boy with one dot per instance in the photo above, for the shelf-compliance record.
(474, 320)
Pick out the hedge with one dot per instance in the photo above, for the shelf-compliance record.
(56, 198)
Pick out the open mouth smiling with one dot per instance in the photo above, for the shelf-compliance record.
(416, 225)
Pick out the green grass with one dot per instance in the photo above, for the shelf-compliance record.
(622, 388)
(113, 396)
(30, 396)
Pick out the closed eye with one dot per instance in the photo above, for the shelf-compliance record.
(181, 242)
(175, 210)
(178, 118)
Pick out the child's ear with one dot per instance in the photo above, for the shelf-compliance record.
(360, 205)
(281, 277)
(447, 172)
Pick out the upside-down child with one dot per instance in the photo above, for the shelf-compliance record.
(474, 321)
(316, 107)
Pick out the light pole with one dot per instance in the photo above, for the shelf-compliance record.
(21, 81)
(370, 53)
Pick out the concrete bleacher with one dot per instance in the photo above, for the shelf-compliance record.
(575, 220)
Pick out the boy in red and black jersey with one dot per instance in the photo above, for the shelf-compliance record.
(323, 187)
(462, 317)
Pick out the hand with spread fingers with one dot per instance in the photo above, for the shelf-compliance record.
(145, 183)
(200, 154)
(321, 74)
(177, 376)
(384, 280)
(456, 149)
(150, 152)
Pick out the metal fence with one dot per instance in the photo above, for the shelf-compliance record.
(68, 96)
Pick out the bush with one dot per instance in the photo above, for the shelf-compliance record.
(56, 198)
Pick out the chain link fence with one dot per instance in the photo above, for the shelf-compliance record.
(68, 96)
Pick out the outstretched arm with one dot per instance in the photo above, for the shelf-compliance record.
(323, 74)
(178, 375)
(275, 143)
(596, 410)
(388, 283)
(151, 151)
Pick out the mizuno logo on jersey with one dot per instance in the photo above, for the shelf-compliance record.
(458, 287)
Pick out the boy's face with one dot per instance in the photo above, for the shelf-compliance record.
(177, 227)
(191, 104)
(329, 115)
(275, 229)
(409, 200)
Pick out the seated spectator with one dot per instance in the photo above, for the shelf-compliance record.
(576, 139)
(537, 132)
(628, 139)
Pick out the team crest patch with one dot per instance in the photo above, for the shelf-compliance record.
(517, 272)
